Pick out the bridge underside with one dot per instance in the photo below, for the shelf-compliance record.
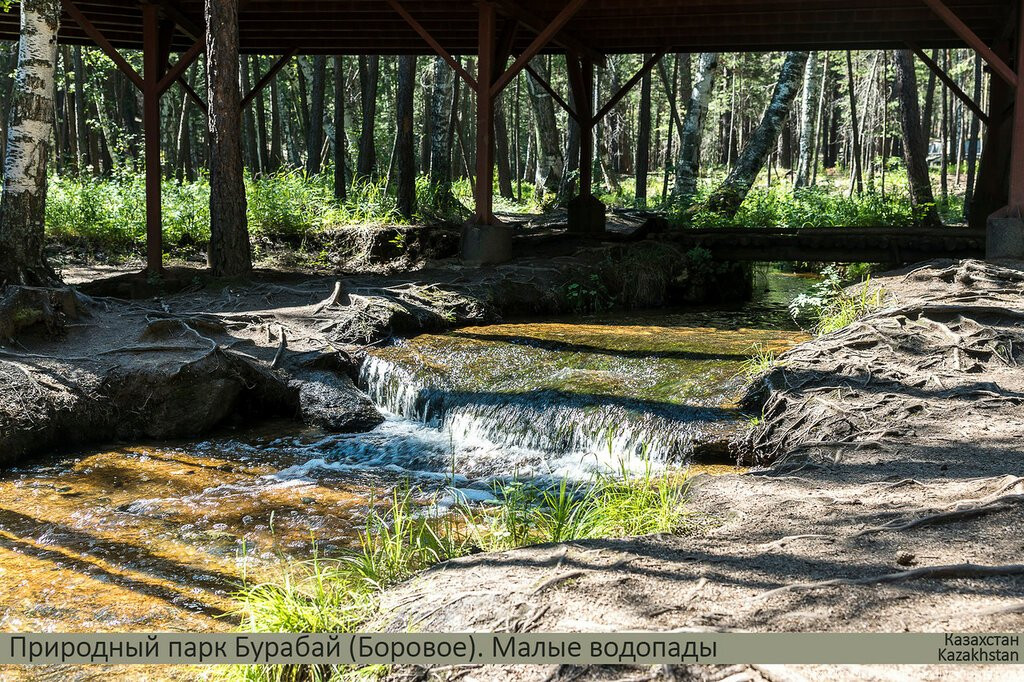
(835, 244)
(503, 35)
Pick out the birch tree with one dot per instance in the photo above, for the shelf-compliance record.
(23, 206)
(808, 113)
(549, 149)
(731, 193)
(688, 164)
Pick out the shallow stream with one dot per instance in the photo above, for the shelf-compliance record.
(156, 537)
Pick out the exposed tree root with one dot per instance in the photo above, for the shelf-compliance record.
(997, 505)
(947, 572)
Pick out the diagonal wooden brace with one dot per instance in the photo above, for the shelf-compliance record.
(436, 46)
(948, 17)
(539, 43)
(103, 43)
(951, 84)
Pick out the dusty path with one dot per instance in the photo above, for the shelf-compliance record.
(901, 483)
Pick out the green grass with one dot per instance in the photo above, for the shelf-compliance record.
(340, 594)
(761, 361)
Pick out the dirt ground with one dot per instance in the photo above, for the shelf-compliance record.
(895, 506)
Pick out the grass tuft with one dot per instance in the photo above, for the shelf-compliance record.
(340, 594)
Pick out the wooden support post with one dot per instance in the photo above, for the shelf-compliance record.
(485, 116)
(484, 239)
(153, 65)
(1004, 235)
(1016, 194)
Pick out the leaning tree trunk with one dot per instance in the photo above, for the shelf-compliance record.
(549, 150)
(688, 164)
(915, 147)
(405, 148)
(229, 252)
(23, 206)
(369, 68)
(808, 113)
(731, 193)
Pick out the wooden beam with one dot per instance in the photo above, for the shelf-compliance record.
(184, 61)
(103, 43)
(617, 97)
(551, 91)
(539, 43)
(153, 61)
(948, 17)
(436, 46)
(951, 84)
(268, 76)
(530, 20)
(484, 199)
(192, 94)
(1015, 203)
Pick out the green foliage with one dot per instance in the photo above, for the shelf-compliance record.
(589, 295)
(834, 306)
(818, 206)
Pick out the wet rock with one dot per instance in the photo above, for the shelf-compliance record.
(332, 402)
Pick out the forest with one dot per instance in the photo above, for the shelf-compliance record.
(323, 147)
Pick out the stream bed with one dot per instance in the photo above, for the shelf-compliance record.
(156, 537)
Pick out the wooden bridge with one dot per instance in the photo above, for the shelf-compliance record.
(835, 244)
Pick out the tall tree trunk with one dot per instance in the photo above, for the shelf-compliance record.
(229, 252)
(728, 197)
(929, 99)
(549, 149)
(567, 185)
(276, 143)
(315, 143)
(23, 205)
(369, 67)
(261, 121)
(340, 185)
(442, 117)
(856, 177)
(972, 148)
(405, 148)
(252, 159)
(85, 157)
(184, 168)
(915, 148)
(643, 140)
(688, 163)
(501, 152)
(808, 114)
(943, 133)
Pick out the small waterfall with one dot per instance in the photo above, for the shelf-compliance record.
(541, 431)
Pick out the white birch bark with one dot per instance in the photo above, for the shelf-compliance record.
(688, 164)
(808, 112)
(23, 206)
